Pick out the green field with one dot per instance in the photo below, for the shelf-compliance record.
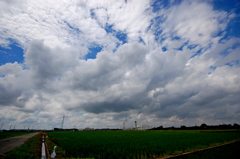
(137, 144)
(4, 135)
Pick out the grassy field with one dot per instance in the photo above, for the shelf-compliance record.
(4, 135)
(31, 149)
(137, 144)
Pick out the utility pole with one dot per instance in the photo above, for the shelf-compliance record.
(62, 121)
(126, 123)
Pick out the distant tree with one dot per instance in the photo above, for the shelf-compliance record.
(235, 125)
(204, 126)
(183, 127)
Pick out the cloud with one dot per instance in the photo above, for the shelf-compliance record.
(193, 80)
(47, 64)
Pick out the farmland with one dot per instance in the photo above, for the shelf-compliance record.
(137, 144)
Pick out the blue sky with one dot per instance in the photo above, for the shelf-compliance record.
(171, 62)
(14, 53)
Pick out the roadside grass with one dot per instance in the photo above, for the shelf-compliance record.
(31, 149)
(60, 152)
(4, 135)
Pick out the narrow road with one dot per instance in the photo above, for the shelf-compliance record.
(9, 144)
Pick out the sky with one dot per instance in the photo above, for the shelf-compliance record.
(169, 63)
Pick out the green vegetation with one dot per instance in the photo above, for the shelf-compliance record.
(137, 144)
(222, 152)
(60, 152)
(4, 135)
(31, 149)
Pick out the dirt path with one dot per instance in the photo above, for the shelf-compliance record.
(9, 144)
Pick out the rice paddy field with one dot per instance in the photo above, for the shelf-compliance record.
(136, 144)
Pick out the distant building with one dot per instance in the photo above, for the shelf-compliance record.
(60, 129)
(88, 129)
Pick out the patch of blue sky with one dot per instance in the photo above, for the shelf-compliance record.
(158, 36)
(227, 51)
(80, 114)
(158, 4)
(141, 41)
(93, 51)
(75, 30)
(14, 53)
(118, 34)
(212, 68)
(232, 29)
(36, 114)
(155, 23)
(164, 48)
(175, 37)
(181, 47)
(233, 63)
(122, 37)
(150, 26)
(192, 46)
(199, 52)
(118, 44)
(231, 6)
(109, 29)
